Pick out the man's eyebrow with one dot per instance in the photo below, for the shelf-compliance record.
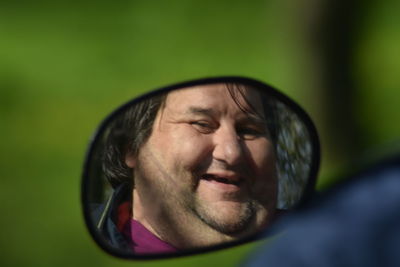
(254, 118)
(200, 111)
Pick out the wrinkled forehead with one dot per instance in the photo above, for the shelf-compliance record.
(231, 97)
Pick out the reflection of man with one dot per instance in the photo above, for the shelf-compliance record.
(201, 163)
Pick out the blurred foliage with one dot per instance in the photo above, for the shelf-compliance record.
(377, 73)
(64, 65)
(295, 156)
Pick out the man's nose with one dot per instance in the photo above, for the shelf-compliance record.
(228, 146)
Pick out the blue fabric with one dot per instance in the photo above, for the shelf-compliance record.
(109, 231)
(355, 225)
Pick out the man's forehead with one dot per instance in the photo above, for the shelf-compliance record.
(207, 98)
(196, 93)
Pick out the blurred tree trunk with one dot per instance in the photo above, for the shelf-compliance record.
(329, 30)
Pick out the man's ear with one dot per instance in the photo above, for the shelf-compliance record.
(130, 160)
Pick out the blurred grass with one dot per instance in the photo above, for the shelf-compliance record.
(66, 65)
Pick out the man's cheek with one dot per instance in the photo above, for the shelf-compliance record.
(191, 149)
(266, 160)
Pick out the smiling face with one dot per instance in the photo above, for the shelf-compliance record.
(207, 172)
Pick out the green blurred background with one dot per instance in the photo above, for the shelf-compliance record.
(64, 65)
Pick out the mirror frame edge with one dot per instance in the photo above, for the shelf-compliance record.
(93, 141)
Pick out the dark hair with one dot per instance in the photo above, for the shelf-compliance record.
(126, 134)
(269, 106)
(132, 129)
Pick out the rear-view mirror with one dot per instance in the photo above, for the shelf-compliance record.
(197, 166)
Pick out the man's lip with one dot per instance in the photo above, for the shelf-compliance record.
(223, 177)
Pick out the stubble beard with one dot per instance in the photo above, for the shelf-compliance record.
(208, 215)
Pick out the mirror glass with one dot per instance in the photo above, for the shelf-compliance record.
(198, 165)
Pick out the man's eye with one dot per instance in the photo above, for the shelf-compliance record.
(250, 133)
(202, 126)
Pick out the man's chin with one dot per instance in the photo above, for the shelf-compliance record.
(230, 218)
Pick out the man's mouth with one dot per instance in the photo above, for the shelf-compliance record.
(233, 180)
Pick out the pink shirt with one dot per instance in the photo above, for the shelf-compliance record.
(145, 242)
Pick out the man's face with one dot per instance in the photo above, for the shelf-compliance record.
(206, 165)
